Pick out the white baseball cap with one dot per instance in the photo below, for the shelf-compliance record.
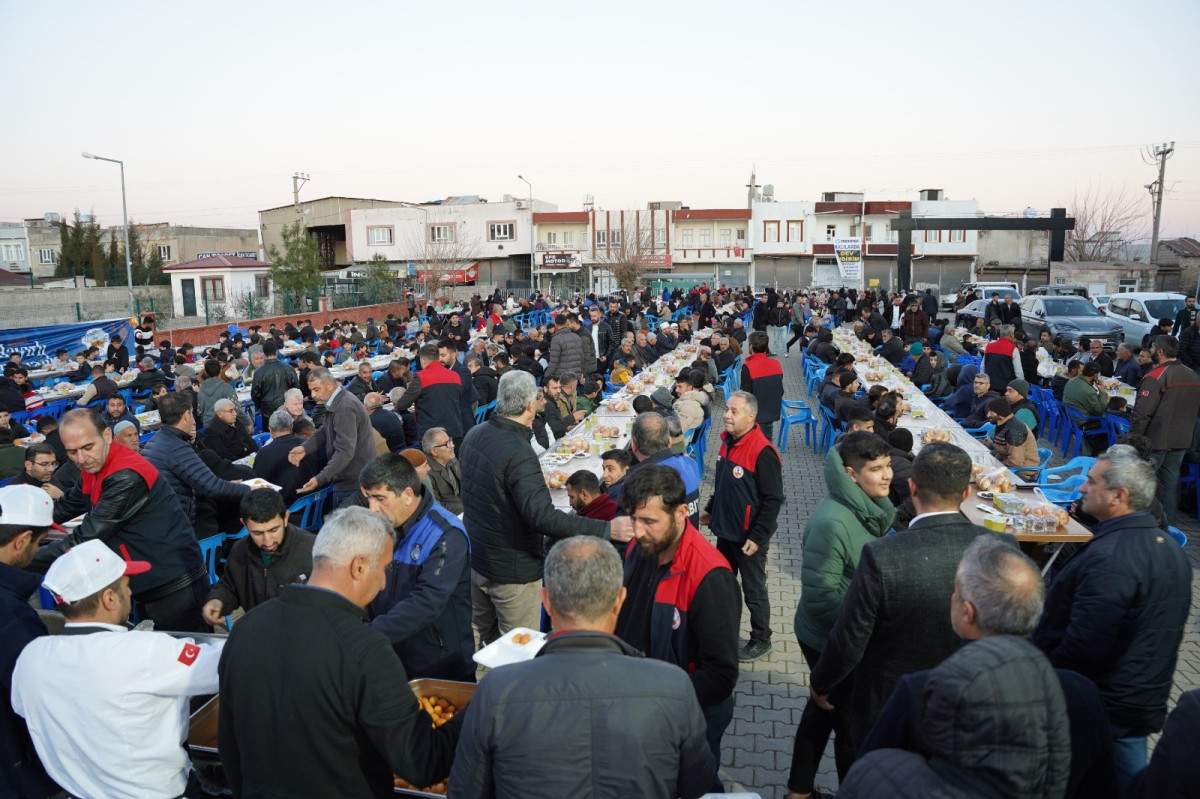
(88, 569)
(26, 505)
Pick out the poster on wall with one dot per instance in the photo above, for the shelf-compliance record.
(849, 258)
(37, 345)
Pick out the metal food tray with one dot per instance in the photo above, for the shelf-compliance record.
(202, 729)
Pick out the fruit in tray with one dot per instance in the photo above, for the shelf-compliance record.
(872, 377)
(608, 431)
(935, 434)
(520, 639)
(620, 406)
(634, 387)
(998, 480)
(556, 478)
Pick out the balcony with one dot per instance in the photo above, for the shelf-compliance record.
(735, 253)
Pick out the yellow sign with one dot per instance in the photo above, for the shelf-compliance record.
(873, 282)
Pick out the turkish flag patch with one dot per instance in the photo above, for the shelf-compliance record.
(189, 654)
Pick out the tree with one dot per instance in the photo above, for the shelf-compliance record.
(380, 284)
(154, 274)
(246, 305)
(77, 242)
(1106, 222)
(445, 249)
(628, 252)
(297, 269)
(115, 258)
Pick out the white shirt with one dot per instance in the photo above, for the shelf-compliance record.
(897, 315)
(108, 711)
(921, 516)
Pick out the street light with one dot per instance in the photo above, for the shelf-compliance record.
(125, 221)
(532, 268)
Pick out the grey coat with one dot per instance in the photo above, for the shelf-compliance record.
(566, 354)
(348, 440)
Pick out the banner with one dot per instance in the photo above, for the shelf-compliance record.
(38, 344)
(849, 258)
(468, 275)
(562, 260)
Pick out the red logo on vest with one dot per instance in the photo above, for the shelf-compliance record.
(189, 654)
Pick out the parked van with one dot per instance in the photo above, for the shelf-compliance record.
(1138, 312)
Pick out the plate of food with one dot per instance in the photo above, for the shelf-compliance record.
(556, 478)
(258, 482)
(33, 439)
(517, 645)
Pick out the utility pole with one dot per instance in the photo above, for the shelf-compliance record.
(298, 180)
(1161, 154)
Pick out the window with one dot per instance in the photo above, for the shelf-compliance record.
(213, 288)
(262, 287)
(1127, 284)
(614, 236)
(741, 237)
(706, 238)
(502, 231)
(868, 232)
(379, 236)
(660, 238)
(685, 238)
(14, 252)
(795, 231)
(47, 256)
(441, 234)
(893, 235)
(601, 238)
(568, 238)
(830, 232)
(164, 252)
(933, 235)
(958, 236)
(770, 234)
(725, 235)
(551, 237)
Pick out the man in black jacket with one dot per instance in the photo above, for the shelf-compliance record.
(601, 334)
(149, 377)
(357, 706)
(484, 378)
(132, 508)
(892, 349)
(397, 376)
(385, 422)
(272, 464)
(999, 591)
(893, 619)
(649, 740)
(273, 555)
(508, 511)
(1116, 612)
(425, 610)
(271, 380)
(225, 436)
(362, 384)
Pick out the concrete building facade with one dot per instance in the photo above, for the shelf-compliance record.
(220, 286)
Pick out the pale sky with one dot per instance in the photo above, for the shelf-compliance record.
(214, 105)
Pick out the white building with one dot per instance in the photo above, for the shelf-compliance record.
(14, 248)
(221, 285)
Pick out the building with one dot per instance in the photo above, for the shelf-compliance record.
(177, 244)
(14, 248)
(1178, 262)
(453, 241)
(220, 287)
(327, 218)
(793, 242)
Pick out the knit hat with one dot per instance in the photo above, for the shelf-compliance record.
(917, 348)
(1019, 386)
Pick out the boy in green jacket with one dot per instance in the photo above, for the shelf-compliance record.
(858, 475)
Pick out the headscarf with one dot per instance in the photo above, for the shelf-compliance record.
(964, 395)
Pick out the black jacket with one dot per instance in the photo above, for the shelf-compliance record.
(272, 465)
(508, 507)
(892, 350)
(389, 425)
(360, 388)
(603, 343)
(1174, 769)
(270, 382)
(148, 380)
(247, 583)
(993, 724)
(176, 459)
(425, 610)
(487, 384)
(1116, 613)
(315, 703)
(894, 617)
(230, 441)
(617, 723)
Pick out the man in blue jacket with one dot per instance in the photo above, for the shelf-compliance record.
(26, 513)
(1116, 612)
(425, 610)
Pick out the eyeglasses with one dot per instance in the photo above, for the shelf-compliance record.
(444, 444)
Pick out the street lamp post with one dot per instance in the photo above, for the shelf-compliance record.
(532, 267)
(125, 222)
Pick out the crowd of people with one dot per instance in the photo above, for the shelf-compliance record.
(442, 536)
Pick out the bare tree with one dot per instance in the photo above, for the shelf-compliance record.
(628, 251)
(1106, 222)
(445, 250)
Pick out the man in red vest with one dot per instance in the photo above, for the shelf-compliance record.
(762, 376)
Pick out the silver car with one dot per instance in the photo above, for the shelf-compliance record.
(1138, 312)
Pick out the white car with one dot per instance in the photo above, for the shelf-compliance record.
(985, 289)
(1101, 301)
(1138, 312)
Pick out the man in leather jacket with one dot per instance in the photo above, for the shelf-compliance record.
(271, 380)
(129, 506)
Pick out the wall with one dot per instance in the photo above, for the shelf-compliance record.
(208, 334)
(34, 307)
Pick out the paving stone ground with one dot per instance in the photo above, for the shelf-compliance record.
(771, 693)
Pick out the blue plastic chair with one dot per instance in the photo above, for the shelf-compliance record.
(829, 430)
(209, 548)
(1114, 426)
(798, 413)
(483, 411)
(311, 510)
(698, 446)
(1074, 433)
(1065, 492)
(1044, 455)
(261, 438)
(1081, 465)
(1178, 536)
(815, 377)
(981, 432)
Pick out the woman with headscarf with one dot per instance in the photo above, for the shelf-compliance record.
(964, 395)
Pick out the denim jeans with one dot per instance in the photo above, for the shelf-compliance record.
(1167, 463)
(1129, 753)
(778, 339)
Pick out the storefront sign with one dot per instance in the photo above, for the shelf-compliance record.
(849, 258)
(562, 260)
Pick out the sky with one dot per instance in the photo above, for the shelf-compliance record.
(213, 106)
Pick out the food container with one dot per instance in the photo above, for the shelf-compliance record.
(1008, 503)
(995, 523)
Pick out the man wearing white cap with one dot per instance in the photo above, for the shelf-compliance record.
(107, 707)
(26, 513)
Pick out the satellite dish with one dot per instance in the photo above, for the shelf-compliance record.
(1029, 213)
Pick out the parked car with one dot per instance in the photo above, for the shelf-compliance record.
(970, 312)
(985, 289)
(1100, 300)
(1069, 317)
(1060, 290)
(1138, 312)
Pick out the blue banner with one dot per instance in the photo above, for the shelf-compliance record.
(37, 345)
